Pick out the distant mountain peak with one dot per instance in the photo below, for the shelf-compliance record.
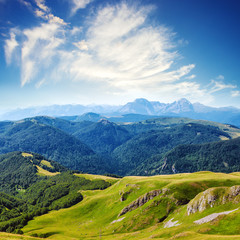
(180, 106)
(104, 121)
(141, 100)
(91, 114)
(184, 100)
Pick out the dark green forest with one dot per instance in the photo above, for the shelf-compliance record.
(223, 156)
(105, 147)
(25, 194)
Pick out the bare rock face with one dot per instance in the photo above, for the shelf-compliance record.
(141, 201)
(212, 197)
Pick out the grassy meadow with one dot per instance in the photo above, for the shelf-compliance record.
(97, 216)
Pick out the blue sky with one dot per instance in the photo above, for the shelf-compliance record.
(111, 52)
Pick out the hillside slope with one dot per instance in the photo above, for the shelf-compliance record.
(136, 156)
(20, 170)
(223, 156)
(31, 185)
(103, 136)
(32, 136)
(146, 207)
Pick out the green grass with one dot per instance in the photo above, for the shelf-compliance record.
(46, 163)
(9, 236)
(92, 218)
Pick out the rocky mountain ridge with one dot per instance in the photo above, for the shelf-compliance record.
(182, 108)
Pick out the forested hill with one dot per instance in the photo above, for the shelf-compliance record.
(31, 185)
(141, 154)
(106, 147)
(223, 156)
(103, 136)
(19, 170)
(53, 143)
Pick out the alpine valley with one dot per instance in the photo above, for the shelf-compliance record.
(145, 170)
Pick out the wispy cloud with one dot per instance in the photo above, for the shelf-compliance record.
(25, 3)
(220, 77)
(124, 50)
(44, 12)
(191, 77)
(40, 83)
(216, 86)
(235, 93)
(10, 46)
(79, 4)
(44, 37)
(41, 4)
(119, 50)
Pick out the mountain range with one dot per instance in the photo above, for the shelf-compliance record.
(101, 147)
(182, 107)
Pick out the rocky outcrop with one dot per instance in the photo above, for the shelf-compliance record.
(142, 200)
(213, 216)
(212, 197)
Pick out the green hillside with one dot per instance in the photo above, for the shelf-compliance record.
(105, 147)
(157, 207)
(55, 144)
(104, 136)
(163, 122)
(223, 156)
(30, 186)
(20, 170)
(138, 155)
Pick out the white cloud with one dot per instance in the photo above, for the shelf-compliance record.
(25, 3)
(40, 83)
(216, 86)
(41, 4)
(76, 30)
(79, 4)
(38, 49)
(235, 93)
(44, 12)
(10, 46)
(124, 51)
(82, 45)
(39, 13)
(220, 77)
(191, 77)
(119, 51)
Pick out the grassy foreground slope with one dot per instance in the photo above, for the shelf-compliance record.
(9, 236)
(142, 208)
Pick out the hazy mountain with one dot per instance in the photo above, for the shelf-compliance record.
(140, 106)
(143, 106)
(57, 110)
(181, 106)
(90, 116)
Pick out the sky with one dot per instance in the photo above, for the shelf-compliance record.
(112, 52)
